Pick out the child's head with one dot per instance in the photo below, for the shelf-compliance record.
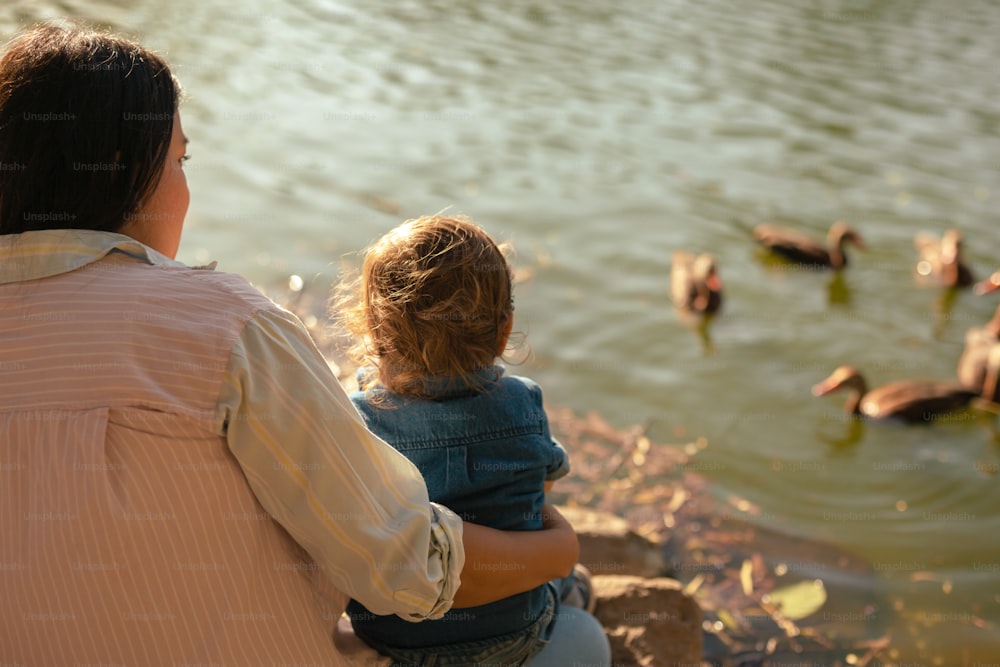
(434, 299)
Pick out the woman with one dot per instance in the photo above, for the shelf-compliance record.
(183, 480)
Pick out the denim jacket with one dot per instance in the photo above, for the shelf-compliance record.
(485, 455)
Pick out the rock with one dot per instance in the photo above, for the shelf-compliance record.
(648, 618)
(609, 546)
(649, 621)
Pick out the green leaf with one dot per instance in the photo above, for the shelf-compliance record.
(798, 600)
(727, 619)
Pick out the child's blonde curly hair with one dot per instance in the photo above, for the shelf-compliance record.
(434, 298)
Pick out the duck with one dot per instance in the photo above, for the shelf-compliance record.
(695, 285)
(801, 249)
(911, 401)
(991, 284)
(940, 259)
(981, 344)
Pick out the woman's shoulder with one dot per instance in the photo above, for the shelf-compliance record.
(232, 283)
(206, 288)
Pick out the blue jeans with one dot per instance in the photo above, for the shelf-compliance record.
(562, 637)
(577, 640)
(505, 651)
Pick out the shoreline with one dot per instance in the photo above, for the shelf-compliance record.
(722, 550)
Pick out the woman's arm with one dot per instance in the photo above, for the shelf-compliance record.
(500, 563)
(356, 505)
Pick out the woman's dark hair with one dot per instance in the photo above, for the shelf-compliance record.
(85, 124)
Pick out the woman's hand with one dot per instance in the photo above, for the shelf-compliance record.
(501, 563)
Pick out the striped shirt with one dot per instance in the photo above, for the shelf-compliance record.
(182, 478)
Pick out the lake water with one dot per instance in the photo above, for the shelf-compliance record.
(598, 139)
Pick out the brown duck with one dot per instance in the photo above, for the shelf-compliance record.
(991, 284)
(801, 249)
(940, 259)
(695, 285)
(908, 400)
(981, 345)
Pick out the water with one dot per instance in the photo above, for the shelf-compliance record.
(599, 139)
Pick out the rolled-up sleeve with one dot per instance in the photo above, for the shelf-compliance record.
(354, 503)
(558, 466)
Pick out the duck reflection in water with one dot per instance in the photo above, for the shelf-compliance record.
(837, 291)
(943, 306)
(855, 430)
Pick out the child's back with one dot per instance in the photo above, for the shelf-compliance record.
(485, 454)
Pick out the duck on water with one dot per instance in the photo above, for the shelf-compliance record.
(977, 367)
(695, 285)
(798, 248)
(912, 401)
(940, 259)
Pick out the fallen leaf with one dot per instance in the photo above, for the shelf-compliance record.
(798, 600)
(694, 584)
(678, 499)
(746, 577)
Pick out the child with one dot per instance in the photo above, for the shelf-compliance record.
(432, 311)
